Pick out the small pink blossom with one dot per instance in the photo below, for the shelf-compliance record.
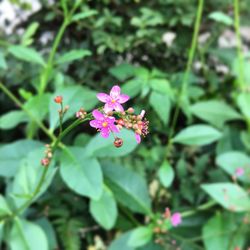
(104, 124)
(142, 127)
(176, 219)
(114, 100)
(239, 172)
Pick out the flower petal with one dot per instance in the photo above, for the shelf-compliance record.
(123, 98)
(114, 128)
(138, 138)
(176, 219)
(105, 132)
(95, 124)
(118, 107)
(98, 115)
(115, 92)
(108, 107)
(103, 97)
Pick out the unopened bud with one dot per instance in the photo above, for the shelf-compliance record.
(120, 122)
(130, 110)
(66, 108)
(45, 162)
(157, 230)
(58, 99)
(118, 142)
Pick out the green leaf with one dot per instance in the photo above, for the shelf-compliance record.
(27, 236)
(73, 55)
(230, 161)
(83, 15)
(104, 210)
(122, 71)
(220, 233)
(140, 236)
(104, 147)
(166, 174)
(81, 173)
(12, 119)
(243, 101)
(74, 96)
(1, 231)
(28, 177)
(161, 104)
(121, 243)
(27, 36)
(129, 188)
(230, 196)
(4, 208)
(133, 87)
(3, 64)
(215, 112)
(11, 154)
(26, 54)
(197, 135)
(221, 18)
(162, 86)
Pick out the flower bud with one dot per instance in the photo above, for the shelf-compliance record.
(45, 162)
(58, 99)
(130, 110)
(120, 122)
(118, 142)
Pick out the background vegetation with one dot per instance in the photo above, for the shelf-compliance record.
(187, 64)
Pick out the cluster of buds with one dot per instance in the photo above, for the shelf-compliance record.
(112, 117)
(48, 155)
(81, 113)
(59, 100)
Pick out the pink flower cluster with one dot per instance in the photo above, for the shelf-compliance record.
(112, 117)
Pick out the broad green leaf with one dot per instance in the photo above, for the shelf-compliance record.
(104, 147)
(133, 87)
(230, 196)
(26, 235)
(4, 208)
(221, 18)
(121, 243)
(162, 86)
(28, 177)
(73, 55)
(129, 188)
(11, 155)
(122, 71)
(83, 15)
(81, 173)
(140, 236)
(161, 104)
(26, 54)
(76, 97)
(38, 106)
(230, 161)
(12, 119)
(243, 101)
(220, 232)
(215, 112)
(3, 64)
(104, 210)
(166, 174)
(197, 135)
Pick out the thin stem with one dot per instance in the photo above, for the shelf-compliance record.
(48, 68)
(239, 44)
(187, 72)
(19, 104)
(199, 208)
(61, 114)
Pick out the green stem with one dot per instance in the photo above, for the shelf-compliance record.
(187, 72)
(48, 68)
(19, 104)
(239, 44)
(199, 208)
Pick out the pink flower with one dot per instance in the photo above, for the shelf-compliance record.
(104, 124)
(239, 171)
(176, 219)
(114, 100)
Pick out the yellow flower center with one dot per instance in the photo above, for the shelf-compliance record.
(104, 124)
(113, 101)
